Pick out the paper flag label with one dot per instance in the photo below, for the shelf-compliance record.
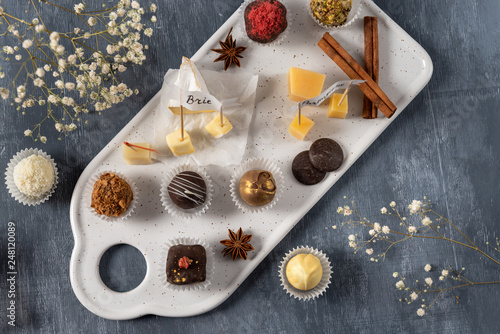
(316, 101)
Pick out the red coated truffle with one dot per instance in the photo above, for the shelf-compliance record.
(265, 20)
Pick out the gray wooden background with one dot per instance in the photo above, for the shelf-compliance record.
(444, 146)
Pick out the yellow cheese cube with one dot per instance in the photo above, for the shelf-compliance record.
(178, 146)
(137, 156)
(300, 131)
(334, 110)
(304, 84)
(215, 129)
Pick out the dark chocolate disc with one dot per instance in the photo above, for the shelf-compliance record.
(304, 171)
(326, 155)
(187, 190)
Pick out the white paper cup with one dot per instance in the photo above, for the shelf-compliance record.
(162, 265)
(88, 196)
(278, 40)
(173, 209)
(11, 185)
(256, 164)
(319, 289)
(351, 17)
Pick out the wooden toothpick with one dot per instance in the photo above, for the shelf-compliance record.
(300, 113)
(345, 93)
(182, 115)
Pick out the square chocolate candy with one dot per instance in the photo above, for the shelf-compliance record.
(186, 264)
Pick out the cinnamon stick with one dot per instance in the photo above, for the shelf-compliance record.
(354, 71)
(371, 61)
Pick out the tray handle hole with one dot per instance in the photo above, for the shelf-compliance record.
(122, 267)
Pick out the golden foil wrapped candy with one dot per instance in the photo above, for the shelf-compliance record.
(257, 187)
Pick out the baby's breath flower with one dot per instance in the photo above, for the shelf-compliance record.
(39, 28)
(352, 244)
(352, 237)
(386, 229)
(18, 57)
(92, 21)
(153, 19)
(428, 281)
(383, 210)
(4, 93)
(392, 204)
(340, 210)
(400, 285)
(27, 43)
(412, 229)
(371, 232)
(38, 82)
(148, 32)
(377, 227)
(413, 295)
(441, 278)
(334, 227)
(347, 211)
(426, 221)
(43, 139)
(420, 312)
(395, 274)
(152, 8)
(40, 72)
(427, 267)
(445, 272)
(59, 127)
(69, 85)
(79, 8)
(8, 50)
(415, 206)
(135, 5)
(369, 251)
(28, 133)
(59, 84)
(54, 37)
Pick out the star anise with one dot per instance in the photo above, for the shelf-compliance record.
(229, 52)
(237, 244)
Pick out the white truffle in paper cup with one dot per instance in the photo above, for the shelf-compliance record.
(256, 185)
(305, 273)
(31, 176)
(334, 14)
(121, 202)
(181, 266)
(186, 191)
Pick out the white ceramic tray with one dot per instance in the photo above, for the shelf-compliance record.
(405, 70)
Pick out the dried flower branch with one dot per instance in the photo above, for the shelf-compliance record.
(70, 72)
(427, 225)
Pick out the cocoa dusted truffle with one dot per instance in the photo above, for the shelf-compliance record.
(265, 20)
(257, 187)
(186, 264)
(187, 190)
(111, 195)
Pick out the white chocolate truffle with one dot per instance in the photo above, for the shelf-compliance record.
(304, 271)
(34, 176)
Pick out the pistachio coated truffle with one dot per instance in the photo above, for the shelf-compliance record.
(304, 271)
